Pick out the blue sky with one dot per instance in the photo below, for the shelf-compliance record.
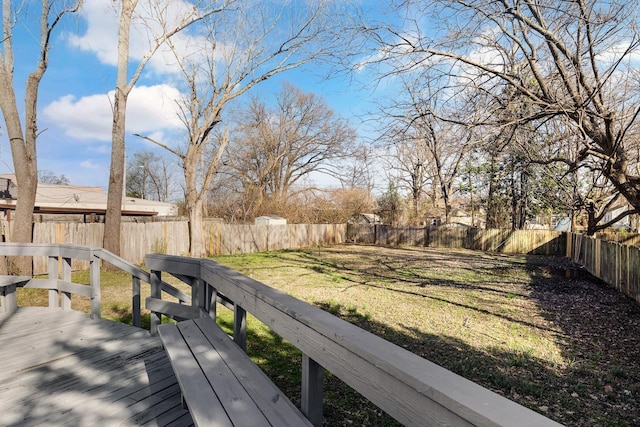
(74, 110)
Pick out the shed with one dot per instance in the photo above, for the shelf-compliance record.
(365, 218)
(270, 220)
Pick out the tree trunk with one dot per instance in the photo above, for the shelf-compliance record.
(25, 166)
(196, 230)
(592, 222)
(193, 200)
(113, 217)
(492, 215)
(23, 146)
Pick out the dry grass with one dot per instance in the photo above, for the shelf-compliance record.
(563, 346)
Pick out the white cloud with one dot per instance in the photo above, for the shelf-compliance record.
(101, 35)
(150, 109)
(153, 108)
(619, 51)
(91, 165)
(101, 149)
(83, 119)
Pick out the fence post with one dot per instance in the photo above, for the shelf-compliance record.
(312, 390)
(627, 249)
(597, 259)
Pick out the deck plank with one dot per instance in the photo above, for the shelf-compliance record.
(63, 368)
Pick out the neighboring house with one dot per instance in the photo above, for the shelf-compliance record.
(270, 220)
(624, 223)
(74, 199)
(563, 224)
(465, 218)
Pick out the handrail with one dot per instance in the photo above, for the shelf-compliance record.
(59, 272)
(60, 257)
(138, 275)
(411, 389)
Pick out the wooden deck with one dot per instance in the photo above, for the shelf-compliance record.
(62, 368)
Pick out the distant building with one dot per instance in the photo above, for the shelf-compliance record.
(270, 220)
(365, 218)
(462, 218)
(614, 212)
(73, 199)
(563, 224)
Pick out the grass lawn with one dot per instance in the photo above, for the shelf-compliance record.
(532, 328)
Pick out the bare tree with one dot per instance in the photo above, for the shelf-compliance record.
(161, 25)
(428, 150)
(569, 60)
(23, 140)
(48, 177)
(357, 169)
(409, 159)
(240, 49)
(149, 176)
(275, 148)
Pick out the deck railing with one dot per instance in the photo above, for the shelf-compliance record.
(411, 389)
(414, 391)
(59, 284)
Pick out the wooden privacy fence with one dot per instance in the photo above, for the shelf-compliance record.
(172, 238)
(229, 239)
(503, 241)
(615, 263)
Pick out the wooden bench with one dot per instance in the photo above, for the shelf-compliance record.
(8, 285)
(220, 384)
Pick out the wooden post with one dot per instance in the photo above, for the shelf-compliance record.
(199, 296)
(240, 326)
(597, 259)
(627, 249)
(66, 276)
(312, 390)
(8, 299)
(135, 301)
(212, 299)
(94, 272)
(156, 292)
(53, 274)
(618, 266)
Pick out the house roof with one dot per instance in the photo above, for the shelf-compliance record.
(51, 198)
